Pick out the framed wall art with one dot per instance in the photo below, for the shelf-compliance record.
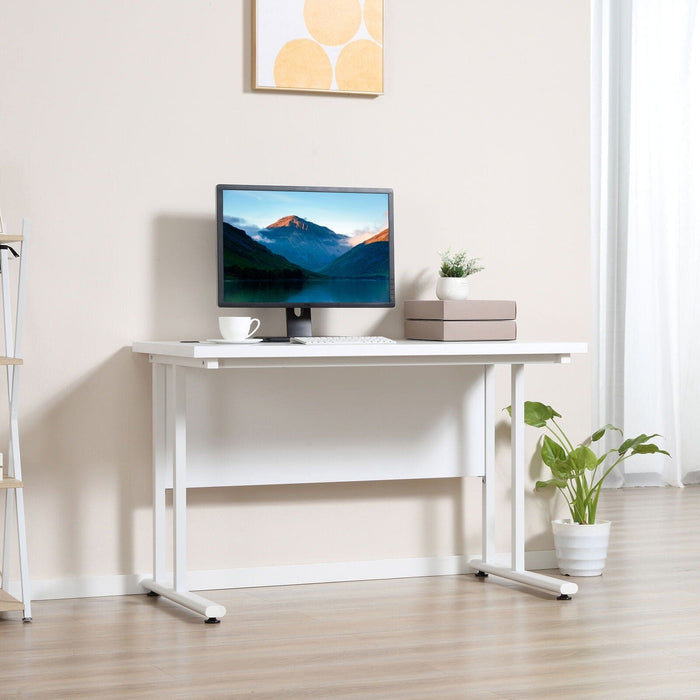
(333, 46)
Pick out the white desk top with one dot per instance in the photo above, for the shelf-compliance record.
(403, 351)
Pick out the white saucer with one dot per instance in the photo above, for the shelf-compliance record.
(223, 341)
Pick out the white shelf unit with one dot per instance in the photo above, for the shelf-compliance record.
(12, 485)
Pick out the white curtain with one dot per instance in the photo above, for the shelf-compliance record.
(647, 237)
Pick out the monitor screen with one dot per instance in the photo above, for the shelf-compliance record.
(305, 246)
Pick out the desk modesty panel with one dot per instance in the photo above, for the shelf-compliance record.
(411, 420)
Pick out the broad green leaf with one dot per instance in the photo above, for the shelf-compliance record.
(536, 413)
(551, 482)
(582, 458)
(651, 448)
(633, 442)
(625, 446)
(561, 470)
(551, 452)
(599, 433)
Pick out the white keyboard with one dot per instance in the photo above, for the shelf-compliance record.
(342, 340)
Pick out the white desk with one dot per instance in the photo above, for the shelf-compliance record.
(171, 362)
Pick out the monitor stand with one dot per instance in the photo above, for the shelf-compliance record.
(298, 322)
(298, 325)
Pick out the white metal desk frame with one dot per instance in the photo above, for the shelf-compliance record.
(172, 360)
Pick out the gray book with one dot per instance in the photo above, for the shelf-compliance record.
(460, 330)
(467, 310)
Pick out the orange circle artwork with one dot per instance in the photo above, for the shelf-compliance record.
(373, 19)
(332, 23)
(303, 64)
(359, 67)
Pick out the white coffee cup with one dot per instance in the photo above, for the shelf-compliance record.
(237, 328)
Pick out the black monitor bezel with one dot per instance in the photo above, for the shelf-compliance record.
(220, 189)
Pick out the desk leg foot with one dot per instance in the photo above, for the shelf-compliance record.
(481, 574)
(192, 601)
(563, 596)
(212, 621)
(564, 589)
(153, 594)
(26, 619)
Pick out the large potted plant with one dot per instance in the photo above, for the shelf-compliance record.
(581, 542)
(455, 268)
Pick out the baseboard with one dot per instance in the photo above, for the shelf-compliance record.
(97, 586)
(84, 587)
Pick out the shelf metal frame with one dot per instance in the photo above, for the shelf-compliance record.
(12, 485)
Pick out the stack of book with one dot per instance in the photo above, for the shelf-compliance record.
(471, 319)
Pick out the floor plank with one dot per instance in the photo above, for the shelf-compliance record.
(632, 633)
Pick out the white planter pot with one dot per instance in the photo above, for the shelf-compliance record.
(452, 288)
(581, 549)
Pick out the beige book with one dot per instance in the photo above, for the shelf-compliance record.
(460, 330)
(467, 310)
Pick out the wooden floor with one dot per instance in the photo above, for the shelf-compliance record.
(632, 633)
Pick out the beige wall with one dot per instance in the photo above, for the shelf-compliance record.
(118, 118)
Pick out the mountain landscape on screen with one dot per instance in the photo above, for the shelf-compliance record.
(367, 259)
(247, 259)
(294, 248)
(303, 243)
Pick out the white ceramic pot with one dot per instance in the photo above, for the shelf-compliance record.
(452, 288)
(581, 549)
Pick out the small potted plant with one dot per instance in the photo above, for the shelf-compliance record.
(581, 542)
(454, 270)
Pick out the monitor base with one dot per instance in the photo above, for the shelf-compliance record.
(298, 322)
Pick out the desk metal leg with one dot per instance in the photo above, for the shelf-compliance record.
(160, 464)
(517, 571)
(488, 496)
(177, 429)
(169, 451)
(488, 501)
(517, 467)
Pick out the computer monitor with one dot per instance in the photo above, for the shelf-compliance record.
(304, 247)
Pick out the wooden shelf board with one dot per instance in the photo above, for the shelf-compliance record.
(10, 360)
(8, 603)
(10, 484)
(7, 238)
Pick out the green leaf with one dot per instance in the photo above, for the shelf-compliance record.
(561, 470)
(633, 442)
(551, 482)
(599, 433)
(651, 448)
(582, 458)
(552, 452)
(537, 414)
